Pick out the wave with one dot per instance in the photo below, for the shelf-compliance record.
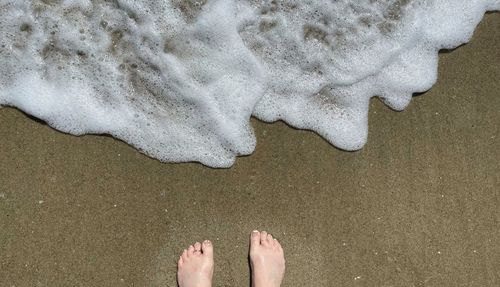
(179, 80)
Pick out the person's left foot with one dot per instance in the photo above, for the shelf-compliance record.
(196, 265)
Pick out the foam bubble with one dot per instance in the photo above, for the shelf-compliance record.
(179, 79)
(332, 57)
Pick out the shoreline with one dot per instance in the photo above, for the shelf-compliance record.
(418, 205)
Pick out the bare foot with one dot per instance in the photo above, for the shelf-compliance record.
(267, 260)
(196, 265)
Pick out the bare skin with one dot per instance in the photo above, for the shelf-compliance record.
(196, 265)
(267, 260)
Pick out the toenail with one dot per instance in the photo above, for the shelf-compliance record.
(207, 242)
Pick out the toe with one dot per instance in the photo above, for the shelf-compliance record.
(197, 248)
(184, 255)
(207, 248)
(270, 238)
(278, 245)
(254, 238)
(190, 250)
(263, 237)
(180, 262)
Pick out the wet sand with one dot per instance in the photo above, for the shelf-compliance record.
(418, 206)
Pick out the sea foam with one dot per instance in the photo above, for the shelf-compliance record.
(179, 80)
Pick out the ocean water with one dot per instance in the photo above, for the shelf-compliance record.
(179, 80)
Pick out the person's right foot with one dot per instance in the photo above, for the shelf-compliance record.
(267, 260)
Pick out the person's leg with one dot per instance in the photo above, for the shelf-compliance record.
(267, 260)
(196, 266)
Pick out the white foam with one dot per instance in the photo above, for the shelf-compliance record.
(179, 79)
(363, 49)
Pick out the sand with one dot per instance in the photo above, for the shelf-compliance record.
(418, 206)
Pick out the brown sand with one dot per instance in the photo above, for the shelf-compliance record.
(419, 206)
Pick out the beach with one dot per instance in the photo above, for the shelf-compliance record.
(419, 205)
